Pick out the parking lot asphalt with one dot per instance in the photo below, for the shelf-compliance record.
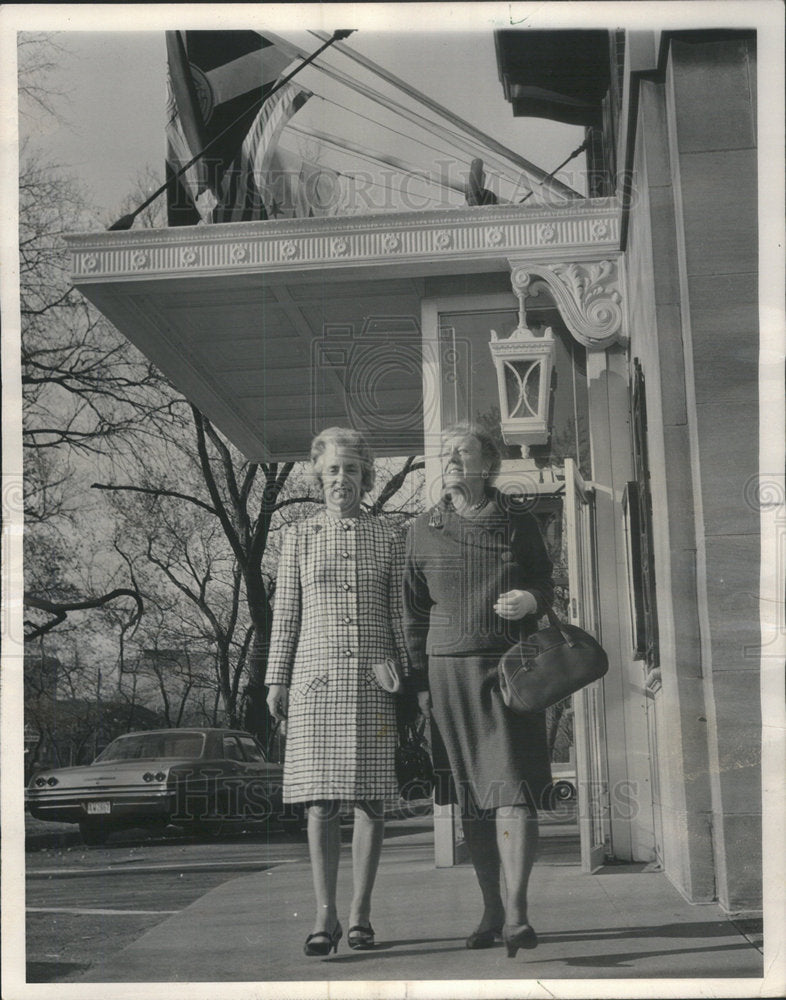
(625, 922)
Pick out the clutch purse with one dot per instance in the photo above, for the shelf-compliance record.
(388, 675)
(549, 665)
(414, 771)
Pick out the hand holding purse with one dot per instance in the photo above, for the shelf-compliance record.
(388, 675)
(414, 771)
(549, 665)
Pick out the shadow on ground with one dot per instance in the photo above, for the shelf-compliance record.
(50, 972)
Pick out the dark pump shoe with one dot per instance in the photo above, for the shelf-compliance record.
(322, 942)
(361, 937)
(515, 936)
(483, 939)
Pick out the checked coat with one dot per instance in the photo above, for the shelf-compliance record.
(337, 611)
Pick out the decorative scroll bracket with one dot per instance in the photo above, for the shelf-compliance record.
(587, 295)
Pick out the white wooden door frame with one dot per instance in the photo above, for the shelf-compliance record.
(589, 735)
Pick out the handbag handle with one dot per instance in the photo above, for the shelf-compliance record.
(553, 620)
(413, 729)
(557, 624)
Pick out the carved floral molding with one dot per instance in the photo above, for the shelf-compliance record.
(587, 294)
(567, 231)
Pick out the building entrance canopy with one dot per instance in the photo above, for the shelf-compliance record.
(277, 329)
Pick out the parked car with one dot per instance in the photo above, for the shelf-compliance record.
(564, 785)
(197, 778)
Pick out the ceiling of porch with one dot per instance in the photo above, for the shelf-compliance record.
(272, 364)
(275, 330)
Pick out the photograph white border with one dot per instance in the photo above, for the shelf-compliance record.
(764, 15)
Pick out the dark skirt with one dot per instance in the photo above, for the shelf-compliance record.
(496, 758)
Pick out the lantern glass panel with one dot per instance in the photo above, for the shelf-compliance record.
(522, 385)
(532, 388)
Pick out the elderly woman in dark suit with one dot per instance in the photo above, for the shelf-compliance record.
(476, 578)
(337, 612)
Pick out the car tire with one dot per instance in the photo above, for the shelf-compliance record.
(563, 791)
(93, 832)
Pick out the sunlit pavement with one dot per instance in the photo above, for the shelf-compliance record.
(43, 838)
(623, 922)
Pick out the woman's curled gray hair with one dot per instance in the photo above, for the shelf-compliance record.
(344, 437)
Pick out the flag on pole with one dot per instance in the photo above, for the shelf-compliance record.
(296, 187)
(215, 81)
(251, 188)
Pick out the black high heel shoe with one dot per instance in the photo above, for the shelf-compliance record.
(491, 923)
(515, 936)
(361, 937)
(323, 942)
(483, 939)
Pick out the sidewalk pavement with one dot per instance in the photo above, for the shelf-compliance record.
(623, 922)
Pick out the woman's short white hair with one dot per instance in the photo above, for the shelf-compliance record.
(343, 437)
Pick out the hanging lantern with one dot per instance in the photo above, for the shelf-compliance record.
(524, 363)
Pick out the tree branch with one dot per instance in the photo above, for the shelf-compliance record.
(290, 500)
(394, 484)
(60, 609)
(210, 481)
(155, 492)
(239, 508)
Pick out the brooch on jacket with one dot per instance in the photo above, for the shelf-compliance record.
(437, 519)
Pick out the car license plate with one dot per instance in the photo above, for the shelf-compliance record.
(99, 808)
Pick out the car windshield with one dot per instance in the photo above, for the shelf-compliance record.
(141, 745)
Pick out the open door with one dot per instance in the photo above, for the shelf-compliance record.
(588, 717)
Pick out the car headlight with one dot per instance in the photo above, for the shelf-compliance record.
(40, 782)
(51, 780)
(158, 776)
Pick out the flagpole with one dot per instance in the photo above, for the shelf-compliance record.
(545, 180)
(535, 174)
(567, 159)
(128, 220)
(389, 161)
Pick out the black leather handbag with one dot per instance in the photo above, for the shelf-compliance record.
(414, 771)
(549, 665)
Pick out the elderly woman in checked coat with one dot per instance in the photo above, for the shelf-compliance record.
(337, 612)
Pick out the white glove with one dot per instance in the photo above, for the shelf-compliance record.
(424, 703)
(516, 604)
(278, 701)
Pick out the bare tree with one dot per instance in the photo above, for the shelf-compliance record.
(172, 659)
(190, 565)
(86, 387)
(207, 536)
(154, 215)
(70, 703)
(38, 53)
(247, 502)
(87, 391)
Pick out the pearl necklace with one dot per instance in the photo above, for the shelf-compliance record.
(480, 504)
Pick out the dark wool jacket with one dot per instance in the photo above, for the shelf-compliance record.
(455, 570)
